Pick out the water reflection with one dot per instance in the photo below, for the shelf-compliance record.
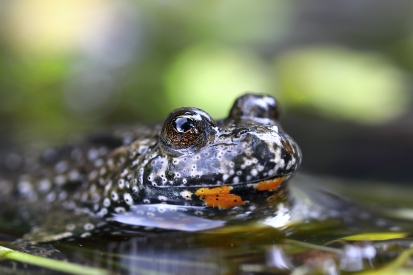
(262, 251)
(164, 216)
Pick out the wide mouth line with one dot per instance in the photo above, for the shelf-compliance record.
(250, 183)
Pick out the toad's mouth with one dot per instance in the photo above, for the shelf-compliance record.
(226, 196)
(222, 196)
(269, 183)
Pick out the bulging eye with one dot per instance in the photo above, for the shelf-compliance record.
(255, 106)
(186, 128)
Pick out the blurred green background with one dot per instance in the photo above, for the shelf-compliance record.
(341, 69)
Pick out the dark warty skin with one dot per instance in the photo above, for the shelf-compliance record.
(191, 173)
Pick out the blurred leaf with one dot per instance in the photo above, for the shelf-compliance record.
(343, 83)
(56, 265)
(374, 236)
(212, 76)
(395, 267)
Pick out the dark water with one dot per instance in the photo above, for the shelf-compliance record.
(306, 248)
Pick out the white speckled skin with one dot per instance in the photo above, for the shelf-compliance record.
(130, 175)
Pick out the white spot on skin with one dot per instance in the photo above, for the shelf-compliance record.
(102, 212)
(141, 175)
(121, 183)
(128, 199)
(88, 226)
(101, 182)
(70, 227)
(99, 163)
(106, 202)
(93, 175)
(44, 185)
(92, 154)
(135, 162)
(114, 196)
(186, 195)
(254, 172)
(288, 165)
(85, 235)
(162, 198)
(282, 163)
(110, 163)
(107, 188)
(51, 197)
(124, 173)
(62, 195)
(74, 175)
(60, 180)
(84, 197)
(61, 236)
(277, 156)
(142, 149)
(61, 167)
(68, 204)
(95, 197)
(120, 210)
(25, 188)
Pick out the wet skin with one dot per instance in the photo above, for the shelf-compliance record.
(191, 173)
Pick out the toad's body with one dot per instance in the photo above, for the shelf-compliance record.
(192, 173)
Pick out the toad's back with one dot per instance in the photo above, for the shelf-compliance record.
(191, 173)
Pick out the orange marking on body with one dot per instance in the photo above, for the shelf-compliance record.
(219, 197)
(269, 185)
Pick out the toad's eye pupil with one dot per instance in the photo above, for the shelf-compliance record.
(183, 124)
